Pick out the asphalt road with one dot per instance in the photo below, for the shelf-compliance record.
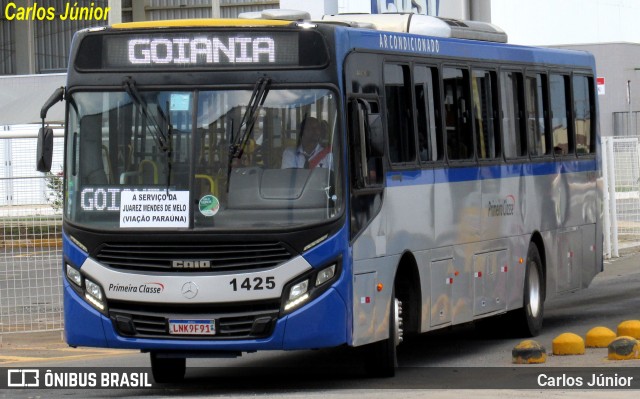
(464, 356)
(30, 288)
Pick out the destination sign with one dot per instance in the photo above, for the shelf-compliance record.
(202, 50)
(198, 50)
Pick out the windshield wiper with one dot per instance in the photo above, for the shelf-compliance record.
(240, 138)
(158, 135)
(163, 139)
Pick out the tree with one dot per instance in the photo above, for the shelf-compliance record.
(55, 186)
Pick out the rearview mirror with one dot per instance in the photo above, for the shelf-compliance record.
(45, 149)
(44, 153)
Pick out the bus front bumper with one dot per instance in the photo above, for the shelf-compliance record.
(318, 324)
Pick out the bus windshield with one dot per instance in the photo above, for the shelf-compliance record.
(218, 159)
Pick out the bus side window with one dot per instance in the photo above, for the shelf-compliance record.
(401, 138)
(536, 92)
(485, 110)
(584, 108)
(560, 105)
(427, 94)
(457, 116)
(513, 123)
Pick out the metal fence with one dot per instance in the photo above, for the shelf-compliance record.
(621, 170)
(30, 281)
(30, 271)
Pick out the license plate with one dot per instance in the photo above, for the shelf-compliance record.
(192, 327)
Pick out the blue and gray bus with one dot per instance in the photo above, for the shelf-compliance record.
(241, 185)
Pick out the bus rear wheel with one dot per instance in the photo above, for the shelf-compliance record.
(383, 357)
(528, 319)
(167, 369)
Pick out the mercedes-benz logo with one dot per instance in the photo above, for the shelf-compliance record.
(189, 290)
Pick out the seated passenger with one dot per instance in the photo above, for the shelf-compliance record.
(310, 153)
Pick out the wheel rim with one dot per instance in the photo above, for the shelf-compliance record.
(397, 314)
(534, 289)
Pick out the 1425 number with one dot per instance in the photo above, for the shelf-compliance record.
(254, 284)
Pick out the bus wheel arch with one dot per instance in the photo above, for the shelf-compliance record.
(404, 316)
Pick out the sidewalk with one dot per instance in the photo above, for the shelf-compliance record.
(628, 247)
(45, 346)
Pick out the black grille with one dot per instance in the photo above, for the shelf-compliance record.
(237, 322)
(220, 257)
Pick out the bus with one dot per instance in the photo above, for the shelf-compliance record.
(241, 185)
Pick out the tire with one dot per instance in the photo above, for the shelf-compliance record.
(166, 369)
(528, 319)
(382, 359)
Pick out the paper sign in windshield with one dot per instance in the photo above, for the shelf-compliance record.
(154, 209)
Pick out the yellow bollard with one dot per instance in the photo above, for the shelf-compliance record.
(629, 328)
(529, 351)
(568, 344)
(599, 337)
(624, 348)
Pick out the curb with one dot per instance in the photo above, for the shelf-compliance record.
(32, 243)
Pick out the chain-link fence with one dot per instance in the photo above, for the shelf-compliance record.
(30, 211)
(621, 170)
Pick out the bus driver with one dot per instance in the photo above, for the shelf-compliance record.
(310, 153)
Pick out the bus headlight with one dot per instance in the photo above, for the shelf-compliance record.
(325, 275)
(93, 293)
(298, 290)
(74, 276)
(297, 295)
(309, 286)
(83, 286)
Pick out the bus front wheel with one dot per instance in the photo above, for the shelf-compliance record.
(167, 369)
(383, 359)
